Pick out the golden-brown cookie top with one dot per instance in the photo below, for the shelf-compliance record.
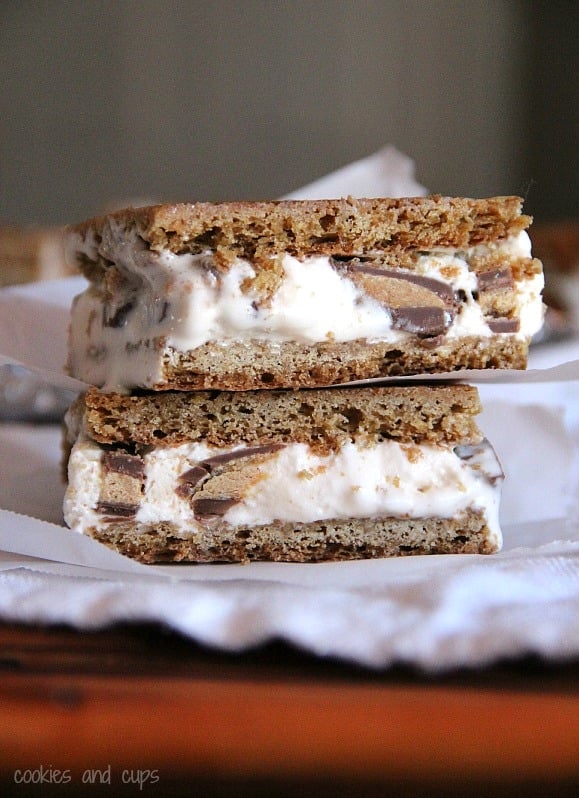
(346, 226)
(324, 418)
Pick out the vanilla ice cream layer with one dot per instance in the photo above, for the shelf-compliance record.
(388, 479)
(184, 302)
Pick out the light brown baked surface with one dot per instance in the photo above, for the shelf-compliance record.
(324, 419)
(237, 367)
(321, 540)
(331, 227)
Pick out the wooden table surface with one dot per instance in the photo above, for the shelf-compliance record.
(146, 712)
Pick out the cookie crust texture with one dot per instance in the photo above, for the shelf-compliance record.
(351, 539)
(304, 227)
(243, 367)
(322, 418)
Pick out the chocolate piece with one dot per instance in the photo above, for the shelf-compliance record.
(466, 451)
(212, 508)
(238, 454)
(414, 303)
(164, 311)
(189, 480)
(484, 457)
(193, 476)
(117, 509)
(495, 279)
(503, 325)
(438, 287)
(122, 484)
(422, 321)
(198, 474)
(122, 463)
(119, 317)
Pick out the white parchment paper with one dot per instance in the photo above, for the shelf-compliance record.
(434, 612)
(386, 173)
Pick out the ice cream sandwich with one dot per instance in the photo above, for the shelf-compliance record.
(294, 294)
(297, 476)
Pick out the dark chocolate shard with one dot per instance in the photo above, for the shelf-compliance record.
(220, 459)
(120, 316)
(123, 463)
(495, 279)
(466, 451)
(504, 325)
(185, 490)
(164, 312)
(117, 509)
(483, 458)
(212, 508)
(190, 480)
(194, 476)
(438, 287)
(422, 321)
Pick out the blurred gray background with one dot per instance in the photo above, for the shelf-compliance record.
(120, 101)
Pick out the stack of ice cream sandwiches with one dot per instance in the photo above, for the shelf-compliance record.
(221, 341)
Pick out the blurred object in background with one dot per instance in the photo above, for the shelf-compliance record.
(24, 396)
(557, 246)
(28, 254)
(227, 100)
